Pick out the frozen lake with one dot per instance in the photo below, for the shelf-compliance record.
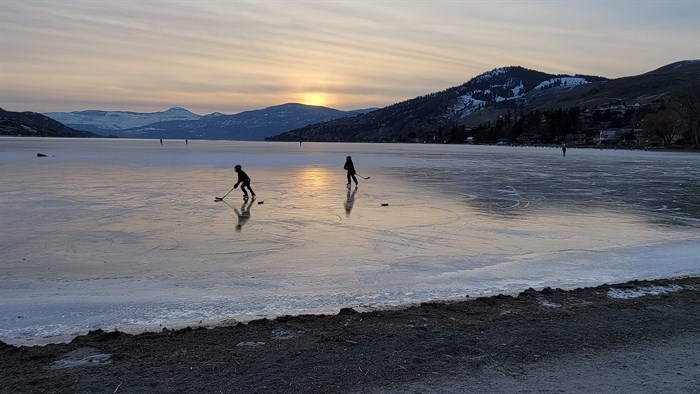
(125, 234)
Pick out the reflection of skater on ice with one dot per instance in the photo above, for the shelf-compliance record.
(244, 180)
(350, 201)
(350, 167)
(244, 214)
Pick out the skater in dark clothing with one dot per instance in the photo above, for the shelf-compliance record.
(244, 181)
(563, 150)
(350, 167)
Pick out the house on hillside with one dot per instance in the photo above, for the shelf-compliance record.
(609, 136)
(621, 138)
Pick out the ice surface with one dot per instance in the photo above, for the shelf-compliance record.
(125, 234)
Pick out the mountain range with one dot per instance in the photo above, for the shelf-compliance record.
(507, 91)
(495, 103)
(105, 122)
(179, 123)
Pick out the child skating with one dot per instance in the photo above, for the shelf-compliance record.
(350, 167)
(244, 181)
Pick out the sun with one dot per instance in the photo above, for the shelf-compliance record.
(314, 98)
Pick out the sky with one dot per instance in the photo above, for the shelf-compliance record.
(231, 56)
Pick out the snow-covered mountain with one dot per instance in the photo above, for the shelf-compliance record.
(180, 123)
(467, 104)
(499, 88)
(253, 125)
(502, 93)
(488, 101)
(105, 122)
(507, 84)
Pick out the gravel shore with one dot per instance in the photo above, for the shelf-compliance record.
(636, 337)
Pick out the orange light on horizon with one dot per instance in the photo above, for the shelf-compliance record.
(315, 98)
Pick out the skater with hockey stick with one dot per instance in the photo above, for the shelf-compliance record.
(350, 168)
(244, 181)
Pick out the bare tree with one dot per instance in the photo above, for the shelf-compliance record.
(662, 124)
(689, 109)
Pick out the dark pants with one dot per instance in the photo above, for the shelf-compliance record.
(351, 175)
(245, 185)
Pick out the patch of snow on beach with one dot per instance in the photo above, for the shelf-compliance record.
(548, 304)
(82, 357)
(642, 291)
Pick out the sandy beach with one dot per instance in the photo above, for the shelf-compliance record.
(636, 337)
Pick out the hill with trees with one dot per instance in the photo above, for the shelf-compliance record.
(520, 106)
(32, 124)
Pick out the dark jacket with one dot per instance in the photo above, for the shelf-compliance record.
(350, 167)
(242, 177)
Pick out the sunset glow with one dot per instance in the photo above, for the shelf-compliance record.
(314, 98)
(217, 56)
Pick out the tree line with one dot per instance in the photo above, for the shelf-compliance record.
(672, 122)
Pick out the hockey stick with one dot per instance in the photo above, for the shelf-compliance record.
(221, 198)
(362, 176)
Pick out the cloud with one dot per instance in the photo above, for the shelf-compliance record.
(231, 56)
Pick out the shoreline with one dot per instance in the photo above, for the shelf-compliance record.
(230, 321)
(497, 343)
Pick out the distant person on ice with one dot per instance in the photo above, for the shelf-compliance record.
(350, 167)
(244, 181)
